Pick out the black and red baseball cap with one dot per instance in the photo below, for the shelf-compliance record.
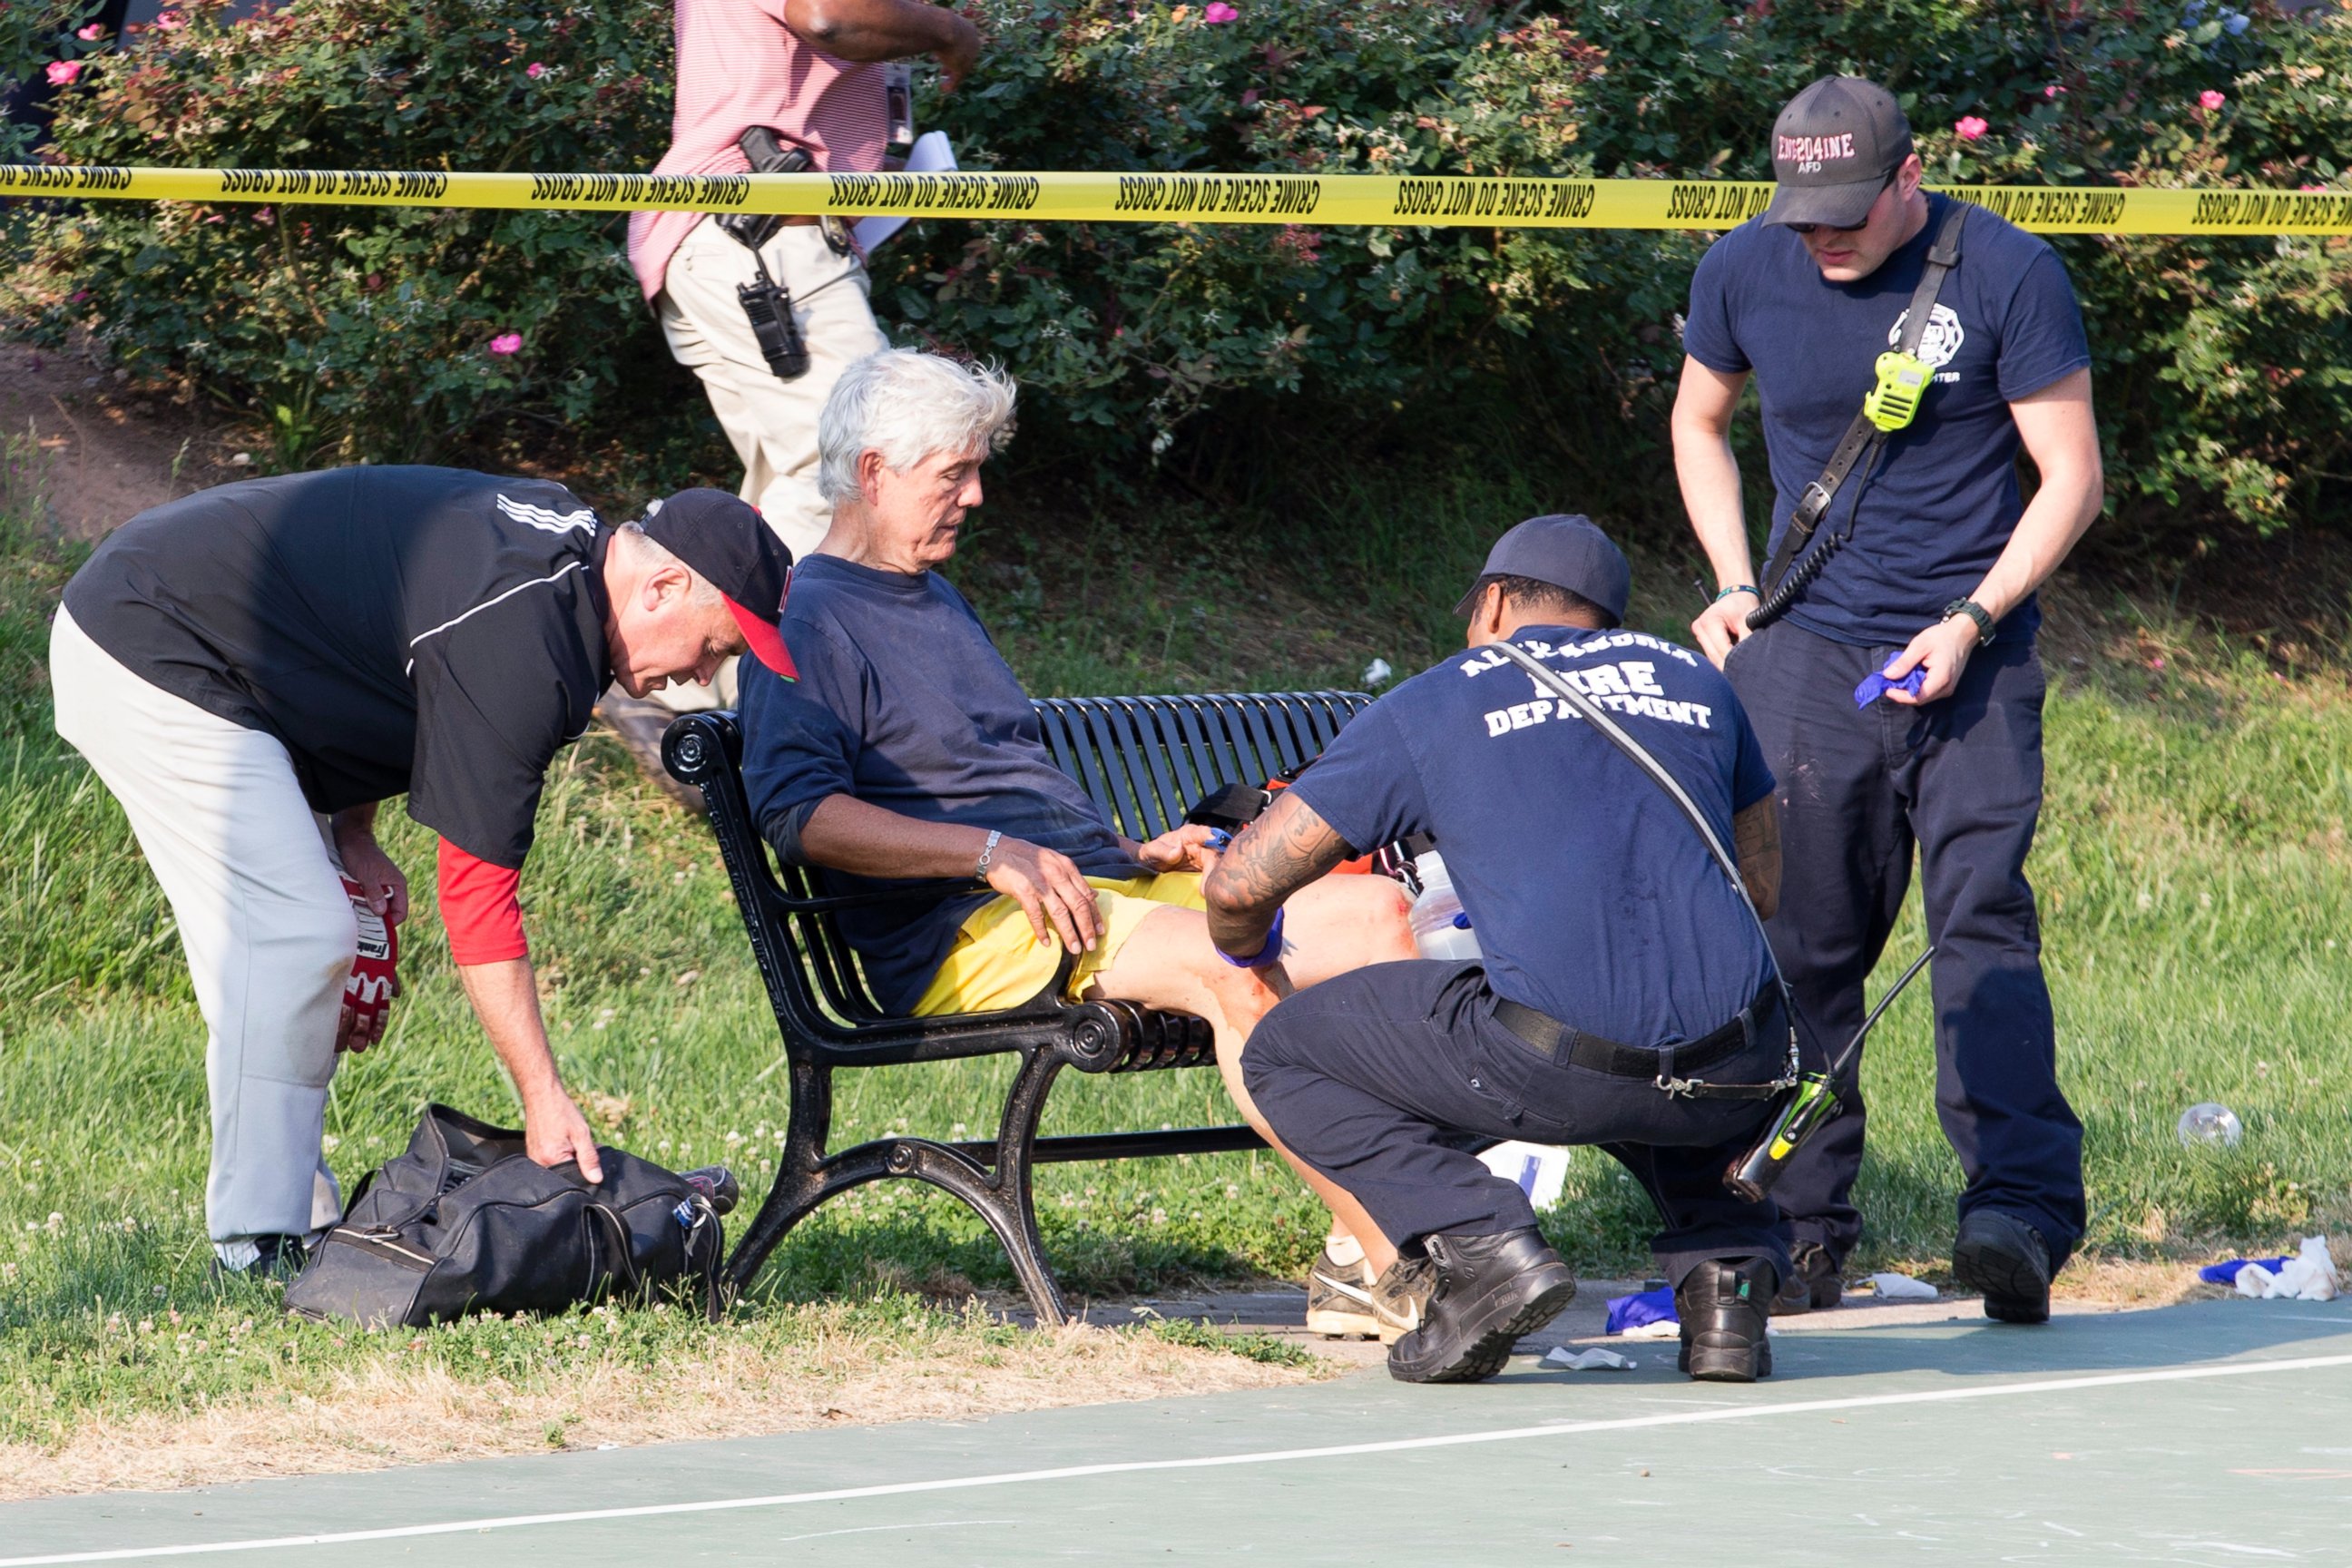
(724, 541)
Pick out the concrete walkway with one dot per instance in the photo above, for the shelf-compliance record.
(2216, 1432)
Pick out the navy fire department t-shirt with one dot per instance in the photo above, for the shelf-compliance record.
(1593, 898)
(904, 703)
(432, 631)
(1943, 498)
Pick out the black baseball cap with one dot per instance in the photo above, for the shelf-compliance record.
(1565, 551)
(1835, 147)
(724, 541)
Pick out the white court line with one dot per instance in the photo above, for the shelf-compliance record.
(1211, 1461)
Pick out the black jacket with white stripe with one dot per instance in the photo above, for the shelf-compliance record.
(428, 630)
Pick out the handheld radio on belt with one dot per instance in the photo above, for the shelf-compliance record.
(1809, 1101)
(1893, 402)
(767, 304)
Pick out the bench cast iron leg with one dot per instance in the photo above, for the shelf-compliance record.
(807, 1177)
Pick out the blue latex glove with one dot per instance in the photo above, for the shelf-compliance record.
(2227, 1273)
(1632, 1311)
(1875, 686)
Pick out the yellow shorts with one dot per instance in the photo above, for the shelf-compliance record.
(997, 960)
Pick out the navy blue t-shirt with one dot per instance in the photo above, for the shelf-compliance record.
(903, 702)
(1943, 498)
(1593, 898)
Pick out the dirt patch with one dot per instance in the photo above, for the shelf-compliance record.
(387, 1415)
(107, 452)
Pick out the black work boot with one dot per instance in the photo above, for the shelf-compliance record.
(2006, 1259)
(1724, 1308)
(1490, 1290)
(1812, 1285)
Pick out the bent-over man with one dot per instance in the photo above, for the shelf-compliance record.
(1618, 965)
(908, 750)
(252, 669)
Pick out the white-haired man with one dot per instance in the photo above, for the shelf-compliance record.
(908, 750)
(252, 668)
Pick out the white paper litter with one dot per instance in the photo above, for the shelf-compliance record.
(1378, 672)
(1589, 1360)
(929, 156)
(1901, 1288)
(1539, 1169)
(1664, 1329)
(2310, 1276)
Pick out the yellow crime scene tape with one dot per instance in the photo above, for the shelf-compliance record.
(1337, 200)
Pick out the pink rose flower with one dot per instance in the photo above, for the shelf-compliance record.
(1218, 14)
(507, 343)
(2211, 100)
(2311, 187)
(90, 34)
(62, 72)
(166, 21)
(534, 71)
(1969, 127)
(2053, 90)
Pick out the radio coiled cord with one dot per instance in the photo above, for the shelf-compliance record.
(1801, 573)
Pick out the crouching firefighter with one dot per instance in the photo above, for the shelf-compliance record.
(1584, 784)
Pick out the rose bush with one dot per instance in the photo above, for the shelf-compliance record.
(356, 333)
(2223, 363)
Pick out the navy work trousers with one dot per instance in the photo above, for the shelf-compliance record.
(1962, 779)
(1366, 1075)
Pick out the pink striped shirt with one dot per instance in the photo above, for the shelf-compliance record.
(739, 66)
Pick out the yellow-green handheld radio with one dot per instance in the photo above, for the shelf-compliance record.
(1893, 402)
(1812, 1105)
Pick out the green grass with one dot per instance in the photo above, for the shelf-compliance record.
(2195, 880)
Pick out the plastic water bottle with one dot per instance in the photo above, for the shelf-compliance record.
(2211, 1123)
(1440, 928)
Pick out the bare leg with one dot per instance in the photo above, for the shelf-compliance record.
(1168, 962)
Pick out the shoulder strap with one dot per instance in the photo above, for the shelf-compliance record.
(1862, 436)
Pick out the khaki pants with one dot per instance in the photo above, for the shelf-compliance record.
(267, 927)
(771, 422)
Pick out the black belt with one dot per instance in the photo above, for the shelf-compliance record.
(1565, 1042)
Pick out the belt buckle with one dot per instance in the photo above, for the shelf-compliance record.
(836, 229)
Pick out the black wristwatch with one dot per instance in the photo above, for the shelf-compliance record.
(1974, 612)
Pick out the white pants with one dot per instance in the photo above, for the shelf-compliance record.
(771, 422)
(267, 927)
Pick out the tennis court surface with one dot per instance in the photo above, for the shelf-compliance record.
(2217, 1432)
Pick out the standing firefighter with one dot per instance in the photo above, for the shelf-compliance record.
(1904, 346)
(251, 670)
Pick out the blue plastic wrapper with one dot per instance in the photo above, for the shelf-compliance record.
(1648, 1306)
(1875, 686)
(2227, 1273)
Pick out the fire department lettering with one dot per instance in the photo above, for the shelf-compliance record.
(1629, 687)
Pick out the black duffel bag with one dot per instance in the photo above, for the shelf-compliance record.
(464, 1222)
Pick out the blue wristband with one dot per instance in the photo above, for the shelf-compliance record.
(1264, 955)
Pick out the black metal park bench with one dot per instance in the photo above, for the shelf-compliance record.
(1144, 759)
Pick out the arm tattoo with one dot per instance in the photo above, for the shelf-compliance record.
(1275, 856)
(1756, 840)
